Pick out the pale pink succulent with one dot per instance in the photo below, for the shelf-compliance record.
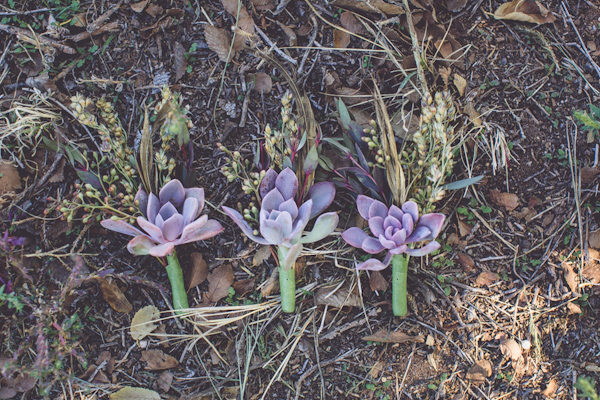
(171, 219)
(394, 230)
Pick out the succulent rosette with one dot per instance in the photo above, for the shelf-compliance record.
(395, 230)
(282, 223)
(168, 220)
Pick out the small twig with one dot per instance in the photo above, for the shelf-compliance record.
(274, 46)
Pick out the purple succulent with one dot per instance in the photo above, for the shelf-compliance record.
(394, 230)
(281, 221)
(169, 220)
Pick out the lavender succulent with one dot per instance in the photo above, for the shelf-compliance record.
(394, 230)
(169, 220)
(282, 222)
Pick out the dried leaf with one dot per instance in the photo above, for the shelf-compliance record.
(271, 285)
(264, 5)
(573, 308)
(570, 276)
(9, 178)
(511, 349)
(372, 6)
(244, 286)
(376, 370)
(460, 83)
(219, 282)
(262, 254)
(139, 7)
(351, 23)
(80, 20)
(509, 201)
(219, 41)
(551, 388)
(289, 32)
(114, 296)
(199, 271)
(377, 281)
(594, 239)
(588, 174)
(487, 278)
(465, 261)
(164, 381)
(141, 324)
(180, 63)
(338, 296)
(261, 82)
(473, 114)
(341, 39)
(526, 11)
(154, 10)
(384, 336)
(7, 392)
(245, 22)
(131, 393)
(479, 371)
(464, 228)
(456, 5)
(157, 359)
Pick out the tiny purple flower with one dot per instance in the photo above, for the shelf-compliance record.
(394, 230)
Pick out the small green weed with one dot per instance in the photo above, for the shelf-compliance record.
(589, 122)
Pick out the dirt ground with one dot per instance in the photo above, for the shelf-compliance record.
(508, 309)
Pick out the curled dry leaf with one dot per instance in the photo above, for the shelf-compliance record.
(262, 254)
(487, 278)
(570, 276)
(510, 348)
(164, 381)
(157, 360)
(199, 271)
(377, 281)
(9, 178)
(114, 296)
(243, 19)
(338, 296)
(289, 32)
(473, 114)
(142, 322)
(219, 282)
(509, 201)
(588, 174)
(244, 286)
(131, 393)
(264, 5)
(464, 228)
(139, 7)
(460, 83)
(551, 388)
(271, 285)
(219, 41)
(466, 261)
(179, 63)
(573, 308)
(341, 39)
(351, 23)
(372, 6)
(384, 336)
(479, 371)
(526, 11)
(261, 82)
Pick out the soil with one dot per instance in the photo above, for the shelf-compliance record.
(526, 270)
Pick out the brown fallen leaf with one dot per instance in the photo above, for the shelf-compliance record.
(479, 371)
(456, 5)
(271, 284)
(473, 114)
(464, 228)
(351, 23)
(243, 19)
(9, 178)
(262, 254)
(139, 7)
(487, 278)
(219, 41)
(384, 336)
(510, 348)
(198, 271)
(244, 286)
(591, 268)
(526, 11)
(131, 393)
(154, 10)
(551, 388)
(573, 308)
(164, 381)
(510, 201)
(142, 323)
(260, 82)
(466, 261)
(372, 6)
(588, 175)
(219, 282)
(341, 39)
(157, 360)
(179, 62)
(289, 33)
(264, 5)
(460, 83)
(338, 296)
(113, 295)
(570, 276)
(377, 281)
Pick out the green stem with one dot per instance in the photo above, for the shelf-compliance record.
(177, 286)
(287, 285)
(399, 276)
